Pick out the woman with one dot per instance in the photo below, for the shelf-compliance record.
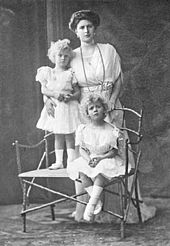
(97, 69)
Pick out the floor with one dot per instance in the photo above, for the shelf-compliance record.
(42, 231)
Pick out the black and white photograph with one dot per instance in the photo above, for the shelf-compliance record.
(85, 122)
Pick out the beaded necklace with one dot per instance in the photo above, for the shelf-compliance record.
(81, 52)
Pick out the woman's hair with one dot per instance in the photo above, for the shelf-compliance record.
(84, 15)
(92, 98)
(57, 47)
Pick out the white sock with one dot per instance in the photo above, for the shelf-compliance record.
(95, 195)
(59, 156)
(70, 155)
(89, 190)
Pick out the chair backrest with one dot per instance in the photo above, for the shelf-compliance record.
(134, 130)
(129, 140)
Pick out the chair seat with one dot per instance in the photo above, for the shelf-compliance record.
(45, 173)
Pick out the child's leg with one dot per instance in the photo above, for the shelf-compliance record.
(79, 211)
(94, 205)
(70, 145)
(59, 150)
(87, 183)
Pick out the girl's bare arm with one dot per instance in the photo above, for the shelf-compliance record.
(49, 93)
(84, 154)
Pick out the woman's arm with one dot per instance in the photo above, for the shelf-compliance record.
(116, 92)
(75, 95)
(50, 105)
(76, 92)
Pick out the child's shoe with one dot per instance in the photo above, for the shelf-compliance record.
(55, 166)
(73, 214)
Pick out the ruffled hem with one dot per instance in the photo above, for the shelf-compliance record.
(66, 119)
(110, 167)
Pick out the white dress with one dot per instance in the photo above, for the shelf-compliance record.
(66, 117)
(97, 141)
(101, 72)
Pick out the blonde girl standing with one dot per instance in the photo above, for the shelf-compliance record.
(60, 84)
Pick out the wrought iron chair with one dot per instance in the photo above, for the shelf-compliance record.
(29, 179)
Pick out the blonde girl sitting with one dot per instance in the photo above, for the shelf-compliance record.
(99, 161)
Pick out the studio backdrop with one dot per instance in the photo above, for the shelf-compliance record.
(139, 30)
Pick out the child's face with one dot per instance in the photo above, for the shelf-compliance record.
(96, 111)
(62, 59)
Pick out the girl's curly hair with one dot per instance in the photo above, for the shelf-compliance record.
(57, 47)
(92, 98)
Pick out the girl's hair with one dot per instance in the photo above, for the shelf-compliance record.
(92, 98)
(84, 15)
(57, 47)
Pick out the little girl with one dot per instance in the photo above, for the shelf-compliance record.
(99, 160)
(59, 83)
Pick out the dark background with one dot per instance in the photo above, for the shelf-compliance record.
(140, 31)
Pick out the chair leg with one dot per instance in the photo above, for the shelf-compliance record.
(52, 211)
(24, 205)
(122, 229)
(137, 201)
(122, 204)
(24, 222)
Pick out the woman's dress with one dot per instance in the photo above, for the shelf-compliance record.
(66, 116)
(99, 76)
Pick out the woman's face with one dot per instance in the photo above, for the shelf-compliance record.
(85, 30)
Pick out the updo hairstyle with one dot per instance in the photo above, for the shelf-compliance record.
(83, 15)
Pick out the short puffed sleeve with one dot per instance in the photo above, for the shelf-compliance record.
(114, 137)
(42, 74)
(115, 63)
(79, 135)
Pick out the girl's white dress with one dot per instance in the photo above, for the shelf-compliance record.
(97, 141)
(67, 116)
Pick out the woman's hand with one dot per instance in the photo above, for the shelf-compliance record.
(50, 104)
(111, 106)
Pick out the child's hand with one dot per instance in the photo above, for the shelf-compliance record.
(56, 95)
(94, 161)
(111, 106)
(60, 97)
(67, 97)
